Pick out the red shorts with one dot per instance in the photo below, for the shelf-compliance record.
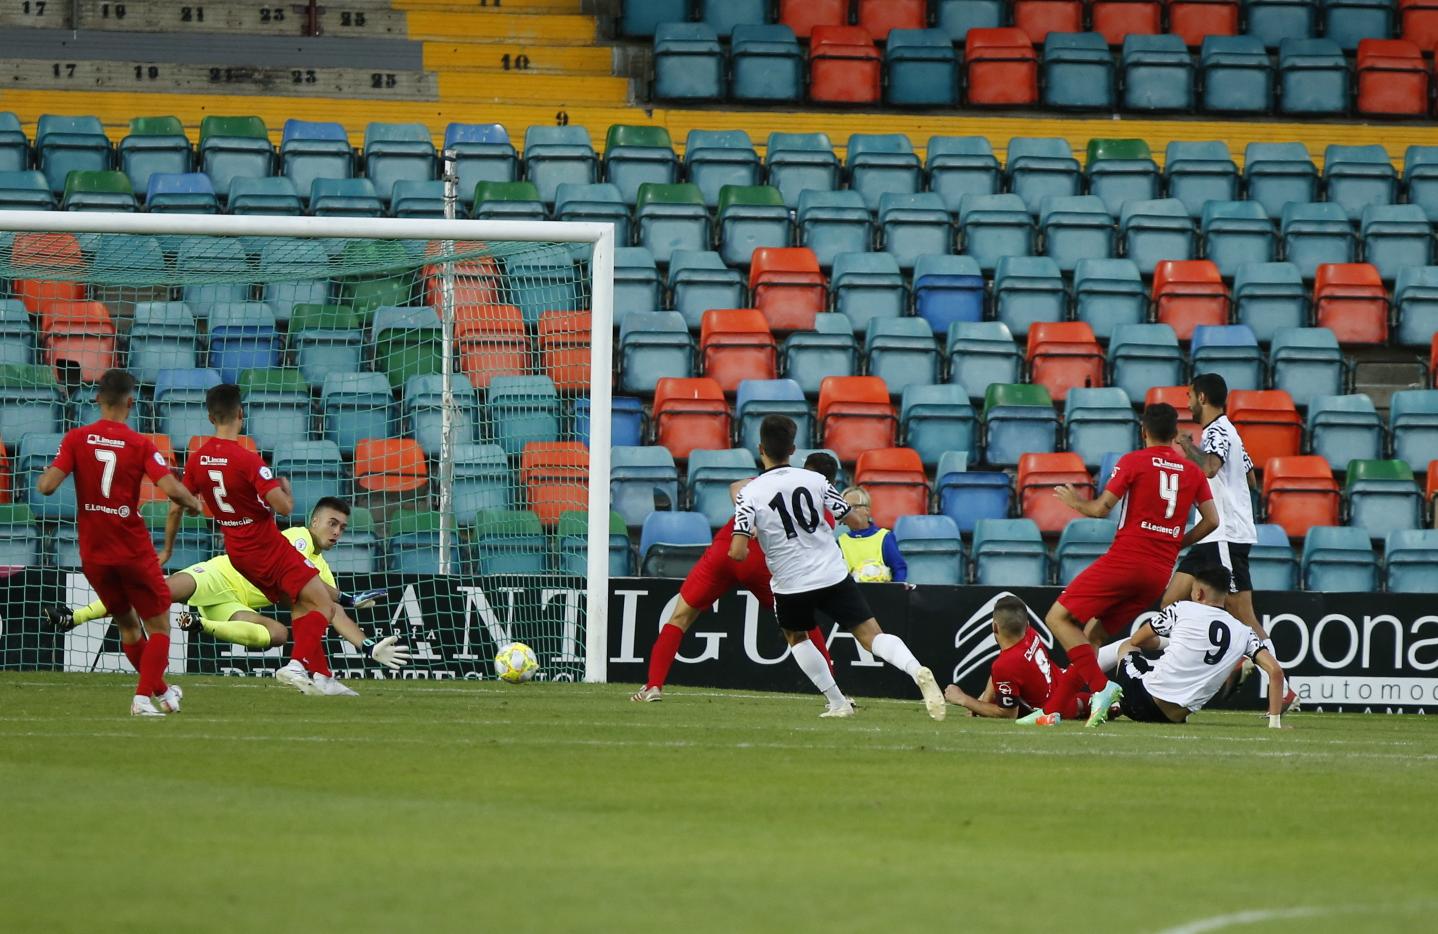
(139, 585)
(716, 574)
(1114, 591)
(280, 573)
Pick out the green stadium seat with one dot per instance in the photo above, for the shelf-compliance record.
(507, 541)
(508, 201)
(406, 343)
(1019, 419)
(749, 217)
(98, 191)
(365, 292)
(638, 155)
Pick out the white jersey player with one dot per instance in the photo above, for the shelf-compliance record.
(1205, 641)
(784, 509)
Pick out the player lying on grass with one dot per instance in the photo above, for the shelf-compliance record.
(713, 576)
(1155, 487)
(228, 604)
(241, 491)
(1023, 676)
(1204, 643)
(109, 460)
(783, 508)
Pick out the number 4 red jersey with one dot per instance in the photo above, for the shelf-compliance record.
(233, 481)
(1156, 487)
(109, 461)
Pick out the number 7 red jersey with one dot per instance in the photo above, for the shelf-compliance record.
(1156, 487)
(233, 481)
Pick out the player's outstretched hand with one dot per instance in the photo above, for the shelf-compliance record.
(364, 599)
(1067, 495)
(390, 655)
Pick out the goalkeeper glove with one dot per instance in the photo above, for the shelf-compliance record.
(362, 600)
(387, 653)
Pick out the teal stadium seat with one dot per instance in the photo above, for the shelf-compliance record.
(1313, 77)
(1028, 289)
(653, 345)
(422, 409)
(1357, 177)
(1278, 174)
(1078, 72)
(1348, 21)
(1415, 297)
(344, 197)
(507, 541)
(1157, 74)
(1097, 421)
(715, 158)
(688, 63)
(178, 404)
(555, 154)
(699, 281)
(1081, 543)
(1235, 233)
(1382, 497)
(25, 190)
(1341, 428)
(356, 406)
(325, 339)
(482, 480)
(17, 334)
(767, 64)
(995, 227)
(1410, 558)
(797, 162)
(724, 15)
(882, 163)
(1237, 76)
(709, 475)
(1339, 559)
(923, 69)
(163, 336)
(1306, 363)
(359, 552)
(1315, 234)
(1420, 178)
(902, 352)
(834, 222)
(1121, 170)
(14, 146)
(637, 286)
(1271, 560)
(938, 419)
(595, 204)
(1231, 351)
(957, 17)
(1108, 293)
(932, 548)
(637, 477)
(670, 218)
(1275, 20)
(36, 452)
(1019, 419)
(1269, 296)
(961, 165)
(232, 148)
(1038, 167)
(828, 350)
(643, 17)
(968, 496)
(1156, 230)
(295, 273)
(482, 153)
(413, 545)
(982, 353)
(69, 144)
(914, 225)
(544, 279)
(1076, 228)
(868, 287)
(749, 217)
(280, 400)
(758, 398)
(671, 543)
(242, 336)
(395, 152)
(30, 401)
(1396, 238)
(1413, 426)
(1144, 355)
(154, 145)
(520, 410)
(1197, 172)
(1009, 553)
(311, 150)
(269, 196)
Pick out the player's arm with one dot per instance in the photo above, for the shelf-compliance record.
(179, 495)
(50, 480)
(1207, 522)
(840, 509)
(980, 706)
(743, 527)
(1146, 638)
(1093, 508)
(1264, 659)
(1210, 462)
(281, 500)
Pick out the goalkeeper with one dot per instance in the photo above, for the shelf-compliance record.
(228, 603)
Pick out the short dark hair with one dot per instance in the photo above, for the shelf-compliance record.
(331, 502)
(223, 402)
(822, 462)
(115, 387)
(1011, 616)
(776, 436)
(1160, 422)
(1213, 388)
(1215, 576)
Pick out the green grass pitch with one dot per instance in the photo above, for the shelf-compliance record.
(426, 806)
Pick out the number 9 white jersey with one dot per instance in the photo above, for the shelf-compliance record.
(783, 510)
(1205, 642)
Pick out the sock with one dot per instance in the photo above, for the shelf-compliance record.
(153, 662)
(661, 657)
(91, 612)
(1108, 656)
(1061, 698)
(1083, 661)
(238, 632)
(892, 649)
(135, 652)
(319, 662)
(308, 632)
(816, 636)
(818, 671)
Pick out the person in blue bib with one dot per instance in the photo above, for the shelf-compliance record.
(871, 553)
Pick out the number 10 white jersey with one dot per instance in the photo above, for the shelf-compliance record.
(783, 509)
(1205, 642)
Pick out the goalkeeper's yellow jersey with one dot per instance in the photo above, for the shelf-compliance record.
(248, 593)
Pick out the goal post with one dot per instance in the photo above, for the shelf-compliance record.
(486, 346)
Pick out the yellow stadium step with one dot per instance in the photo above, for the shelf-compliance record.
(503, 27)
(574, 7)
(528, 87)
(543, 59)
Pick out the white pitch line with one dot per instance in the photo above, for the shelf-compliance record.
(1260, 915)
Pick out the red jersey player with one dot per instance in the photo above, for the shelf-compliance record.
(1023, 676)
(109, 460)
(240, 490)
(712, 577)
(1156, 487)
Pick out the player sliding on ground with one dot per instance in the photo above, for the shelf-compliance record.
(783, 509)
(712, 577)
(1156, 487)
(109, 461)
(228, 604)
(241, 490)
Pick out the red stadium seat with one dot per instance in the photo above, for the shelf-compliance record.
(1187, 293)
(149, 492)
(1038, 18)
(1392, 78)
(1268, 422)
(1299, 493)
(896, 483)
(736, 344)
(492, 342)
(844, 66)
(476, 282)
(1418, 20)
(1433, 362)
(803, 15)
(390, 465)
(689, 414)
(7, 476)
(555, 475)
(1064, 354)
(1003, 68)
(81, 332)
(787, 286)
(1349, 300)
(1176, 396)
(1039, 475)
(47, 251)
(1114, 19)
(855, 415)
(880, 16)
(1194, 19)
(564, 348)
(1432, 481)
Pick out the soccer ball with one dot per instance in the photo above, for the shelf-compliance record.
(515, 663)
(871, 572)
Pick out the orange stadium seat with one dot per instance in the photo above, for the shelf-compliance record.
(855, 415)
(880, 16)
(7, 475)
(1268, 422)
(564, 348)
(149, 492)
(803, 15)
(1038, 18)
(81, 332)
(896, 483)
(1187, 293)
(390, 465)
(844, 66)
(1392, 78)
(1002, 67)
(46, 251)
(492, 342)
(1432, 489)
(1114, 19)
(476, 282)
(1062, 355)
(690, 413)
(1299, 493)
(1193, 19)
(555, 475)
(787, 286)
(736, 344)
(1349, 300)
(1176, 396)
(1419, 22)
(1038, 476)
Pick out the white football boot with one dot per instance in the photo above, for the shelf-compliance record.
(144, 707)
(332, 687)
(933, 697)
(838, 711)
(294, 675)
(647, 695)
(170, 700)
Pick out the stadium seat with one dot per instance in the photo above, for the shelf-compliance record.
(413, 545)
(389, 465)
(689, 414)
(637, 286)
(937, 420)
(834, 222)
(1001, 68)
(698, 281)
(1231, 351)
(1299, 493)
(1349, 300)
(406, 342)
(757, 398)
(982, 353)
(867, 288)
(1342, 428)
(492, 342)
(1269, 296)
(397, 151)
(901, 352)
(423, 412)
(78, 331)
(961, 165)
(1009, 553)
(1274, 20)
(1268, 422)
(1420, 178)
(1278, 174)
(66, 144)
(1382, 497)
(1413, 426)
(882, 163)
(1081, 543)
(1157, 74)
(154, 145)
(638, 155)
(844, 66)
(787, 287)
(344, 197)
(968, 496)
(1063, 355)
(508, 541)
(803, 15)
(1418, 22)
(1396, 239)
(1107, 293)
(1097, 421)
(162, 337)
(508, 201)
(1356, 177)
(555, 476)
(280, 400)
(881, 17)
(995, 227)
(1144, 355)
(652, 345)
(709, 477)
(597, 204)
(855, 415)
(482, 480)
(1028, 290)
(671, 543)
(565, 339)
(922, 68)
(269, 196)
(46, 251)
(313, 468)
(35, 453)
(1234, 233)
(482, 152)
(736, 344)
(1314, 234)
(1339, 560)
(1197, 172)
(1391, 77)
(766, 64)
(572, 545)
(723, 15)
(642, 17)
(355, 406)
(1306, 363)
(688, 62)
(1115, 19)
(1155, 231)
(1410, 558)
(1075, 228)
(1038, 18)
(957, 17)
(1039, 167)
(556, 154)
(187, 193)
(17, 335)
(801, 455)
(1078, 72)
(1019, 419)
(25, 190)
(14, 146)
(947, 289)
(669, 218)
(1188, 294)
(1271, 561)
(97, 191)
(520, 410)
(1121, 170)
(715, 158)
(312, 150)
(932, 548)
(914, 225)
(1313, 77)
(178, 406)
(366, 292)
(896, 483)
(234, 147)
(828, 350)
(1236, 75)
(1038, 476)
(30, 401)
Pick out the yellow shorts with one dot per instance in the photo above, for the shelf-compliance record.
(215, 596)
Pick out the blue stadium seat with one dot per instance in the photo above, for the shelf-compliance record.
(311, 150)
(1342, 428)
(1081, 543)
(1156, 230)
(555, 154)
(828, 350)
(715, 158)
(1236, 75)
(653, 345)
(482, 153)
(867, 287)
(1396, 238)
(269, 196)
(344, 197)
(932, 548)
(1278, 174)
(521, 409)
(1078, 72)
(936, 420)
(178, 404)
(1420, 178)
(882, 163)
(961, 165)
(972, 495)
(17, 335)
(1009, 553)
(36, 452)
(636, 476)
(709, 475)
(422, 410)
(1349, 21)
(637, 286)
(1199, 172)
(672, 542)
(1339, 559)
(1356, 177)
(30, 400)
(688, 62)
(1235, 233)
(1313, 77)
(1076, 228)
(242, 336)
(1231, 351)
(638, 155)
(69, 144)
(597, 204)
(1275, 20)
(834, 222)
(1411, 561)
(1107, 293)
(914, 225)
(1098, 421)
(163, 336)
(767, 64)
(1028, 289)
(948, 289)
(1413, 426)
(750, 217)
(981, 353)
(626, 421)
(671, 218)
(1144, 355)
(1306, 363)
(1382, 497)
(1269, 296)
(922, 69)
(1037, 167)
(356, 406)
(25, 190)
(902, 352)
(1157, 73)
(995, 227)
(1271, 560)
(699, 281)
(757, 398)
(395, 152)
(642, 17)
(187, 193)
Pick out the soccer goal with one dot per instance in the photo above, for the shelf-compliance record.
(447, 380)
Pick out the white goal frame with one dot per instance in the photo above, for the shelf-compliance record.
(601, 270)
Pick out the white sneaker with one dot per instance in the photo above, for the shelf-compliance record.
(332, 687)
(170, 700)
(294, 675)
(839, 711)
(933, 697)
(143, 707)
(647, 695)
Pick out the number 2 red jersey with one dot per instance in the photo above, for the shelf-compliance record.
(233, 481)
(1156, 488)
(109, 460)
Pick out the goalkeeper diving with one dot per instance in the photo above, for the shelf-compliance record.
(228, 605)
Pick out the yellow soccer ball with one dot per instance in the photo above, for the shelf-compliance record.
(872, 572)
(515, 663)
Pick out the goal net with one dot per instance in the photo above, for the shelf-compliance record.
(435, 376)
